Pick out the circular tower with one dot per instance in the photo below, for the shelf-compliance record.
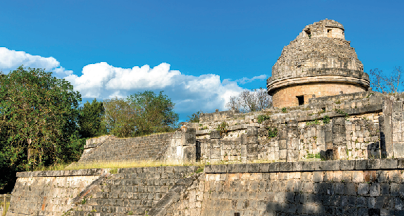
(318, 63)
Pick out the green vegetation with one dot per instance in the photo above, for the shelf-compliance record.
(140, 114)
(90, 119)
(272, 132)
(326, 119)
(338, 102)
(38, 122)
(200, 169)
(313, 155)
(7, 206)
(194, 117)
(284, 110)
(262, 118)
(342, 112)
(222, 127)
(315, 122)
(42, 126)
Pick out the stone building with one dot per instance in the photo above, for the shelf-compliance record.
(318, 63)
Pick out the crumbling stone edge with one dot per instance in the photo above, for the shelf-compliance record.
(63, 173)
(335, 165)
(173, 195)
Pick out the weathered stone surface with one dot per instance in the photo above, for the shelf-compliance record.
(302, 61)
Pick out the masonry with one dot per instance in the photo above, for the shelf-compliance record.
(337, 187)
(329, 146)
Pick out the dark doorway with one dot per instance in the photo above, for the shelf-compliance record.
(198, 150)
(300, 99)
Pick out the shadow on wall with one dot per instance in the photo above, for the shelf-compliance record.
(355, 192)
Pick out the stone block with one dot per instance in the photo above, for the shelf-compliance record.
(282, 144)
(347, 164)
(237, 168)
(307, 166)
(298, 166)
(400, 164)
(208, 169)
(360, 164)
(252, 131)
(253, 168)
(388, 164)
(374, 189)
(373, 164)
(363, 188)
(222, 168)
(398, 150)
(285, 166)
(274, 167)
(264, 167)
(215, 134)
(330, 165)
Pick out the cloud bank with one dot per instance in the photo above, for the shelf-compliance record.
(11, 59)
(101, 80)
(205, 92)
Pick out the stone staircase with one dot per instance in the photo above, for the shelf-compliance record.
(132, 191)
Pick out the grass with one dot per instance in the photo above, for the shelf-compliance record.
(114, 166)
(7, 206)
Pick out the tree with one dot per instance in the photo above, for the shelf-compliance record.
(250, 101)
(140, 114)
(194, 117)
(90, 119)
(384, 83)
(38, 117)
(119, 117)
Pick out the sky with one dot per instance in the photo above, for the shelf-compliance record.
(198, 52)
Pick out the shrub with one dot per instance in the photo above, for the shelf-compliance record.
(284, 110)
(262, 118)
(326, 119)
(272, 132)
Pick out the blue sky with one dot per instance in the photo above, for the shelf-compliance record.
(198, 52)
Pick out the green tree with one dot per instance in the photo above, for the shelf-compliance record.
(38, 119)
(194, 118)
(90, 120)
(140, 114)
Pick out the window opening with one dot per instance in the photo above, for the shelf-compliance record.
(236, 214)
(300, 99)
(308, 32)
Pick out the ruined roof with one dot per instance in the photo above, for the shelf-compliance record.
(319, 49)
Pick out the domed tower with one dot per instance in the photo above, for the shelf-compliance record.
(318, 63)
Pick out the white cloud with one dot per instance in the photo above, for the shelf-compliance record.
(11, 59)
(101, 80)
(245, 80)
(190, 93)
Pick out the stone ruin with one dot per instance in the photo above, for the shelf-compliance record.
(329, 146)
(318, 63)
(323, 107)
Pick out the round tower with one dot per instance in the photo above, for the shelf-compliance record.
(318, 63)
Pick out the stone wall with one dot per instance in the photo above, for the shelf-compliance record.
(362, 187)
(137, 191)
(127, 149)
(313, 135)
(51, 192)
(287, 97)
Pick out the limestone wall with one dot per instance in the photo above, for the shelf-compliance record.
(287, 97)
(50, 192)
(138, 191)
(126, 149)
(362, 187)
